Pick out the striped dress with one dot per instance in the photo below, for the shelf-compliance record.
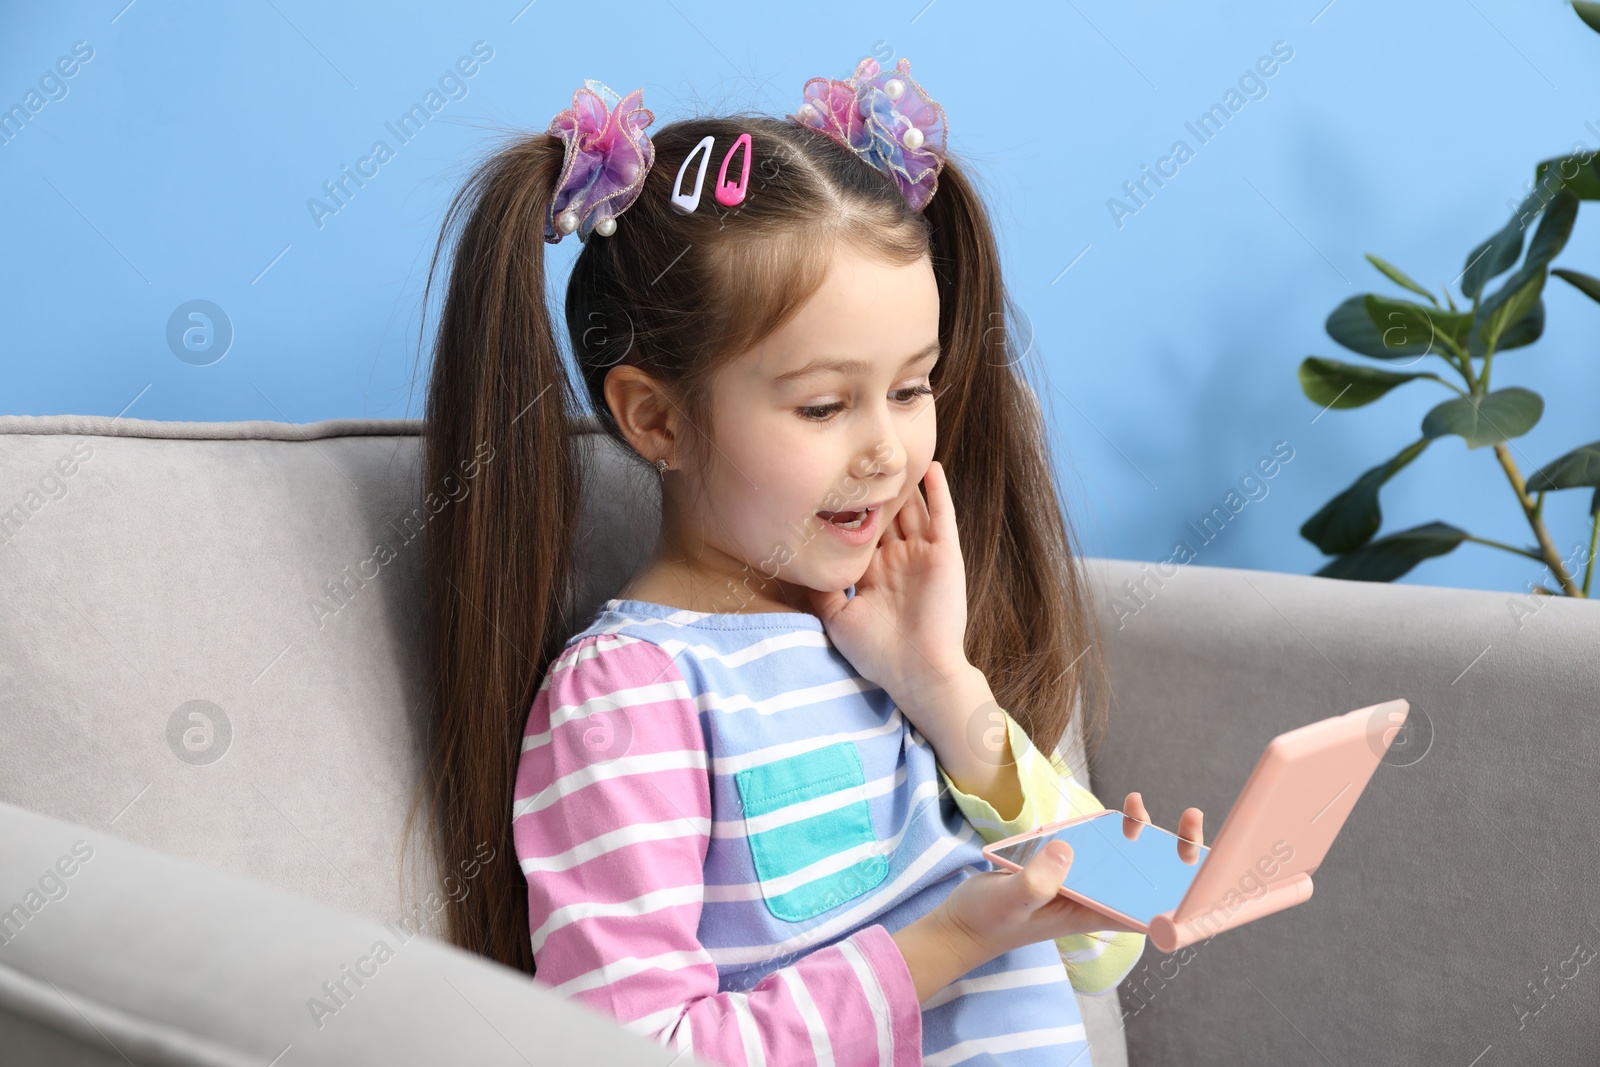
(720, 823)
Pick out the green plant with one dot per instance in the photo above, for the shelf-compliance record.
(1392, 329)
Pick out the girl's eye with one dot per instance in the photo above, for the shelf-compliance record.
(823, 412)
(820, 412)
(912, 392)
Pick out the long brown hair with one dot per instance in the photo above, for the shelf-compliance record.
(678, 295)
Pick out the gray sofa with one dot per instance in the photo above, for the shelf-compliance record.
(210, 704)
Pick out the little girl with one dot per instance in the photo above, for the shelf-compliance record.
(751, 795)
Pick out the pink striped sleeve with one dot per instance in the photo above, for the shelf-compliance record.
(612, 821)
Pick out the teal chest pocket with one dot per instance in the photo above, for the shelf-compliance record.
(810, 831)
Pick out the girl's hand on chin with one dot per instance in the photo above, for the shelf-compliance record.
(906, 626)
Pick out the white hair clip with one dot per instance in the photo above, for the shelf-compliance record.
(682, 201)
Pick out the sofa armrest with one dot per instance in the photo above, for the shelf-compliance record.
(111, 953)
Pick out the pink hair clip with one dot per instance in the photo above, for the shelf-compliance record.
(727, 193)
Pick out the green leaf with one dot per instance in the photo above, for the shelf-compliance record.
(1576, 176)
(1499, 253)
(1350, 519)
(1587, 285)
(1390, 557)
(1351, 326)
(1520, 295)
(1588, 12)
(1384, 328)
(1403, 325)
(1517, 298)
(1399, 277)
(1554, 229)
(1486, 419)
(1579, 173)
(1524, 331)
(1578, 469)
(1333, 383)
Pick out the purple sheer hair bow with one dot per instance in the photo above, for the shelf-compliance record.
(608, 156)
(887, 119)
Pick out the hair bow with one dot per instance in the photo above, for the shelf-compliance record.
(608, 155)
(887, 119)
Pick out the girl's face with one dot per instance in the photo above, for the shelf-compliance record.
(825, 425)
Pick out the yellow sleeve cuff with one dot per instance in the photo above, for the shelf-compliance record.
(1098, 962)
(1041, 791)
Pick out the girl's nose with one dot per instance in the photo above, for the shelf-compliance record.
(884, 457)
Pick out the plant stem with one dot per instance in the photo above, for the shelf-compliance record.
(1547, 548)
(1508, 548)
(1457, 358)
(1482, 385)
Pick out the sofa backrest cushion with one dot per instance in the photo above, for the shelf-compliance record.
(213, 636)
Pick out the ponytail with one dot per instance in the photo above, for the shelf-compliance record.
(499, 560)
(1030, 624)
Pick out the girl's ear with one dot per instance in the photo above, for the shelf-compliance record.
(644, 413)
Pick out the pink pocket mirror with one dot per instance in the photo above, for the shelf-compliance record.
(1261, 861)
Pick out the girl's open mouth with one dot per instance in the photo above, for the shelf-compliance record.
(855, 527)
(845, 520)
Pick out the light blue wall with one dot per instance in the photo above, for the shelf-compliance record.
(179, 163)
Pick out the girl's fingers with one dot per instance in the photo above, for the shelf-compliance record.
(827, 604)
(929, 515)
(913, 516)
(873, 575)
(906, 522)
(892, 531)
(1190, 825)
(1189, 835)
(1134, 816)
(941, 509)
(1042, 875)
